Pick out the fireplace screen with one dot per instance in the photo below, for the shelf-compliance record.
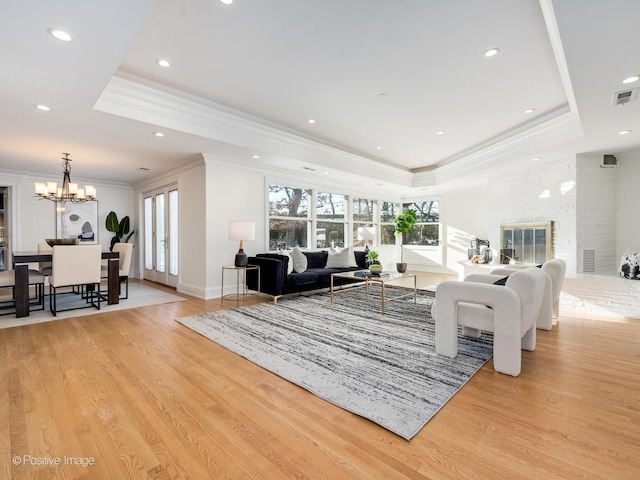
(525, 243)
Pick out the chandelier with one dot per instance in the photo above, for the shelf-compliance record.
(69, 192)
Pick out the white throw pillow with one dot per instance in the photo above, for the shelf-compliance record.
(299, 260)
(338, 258)
(352, 258)
(286, 253)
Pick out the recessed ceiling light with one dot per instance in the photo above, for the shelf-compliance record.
(382, 95)
(158, 134)
(44, 108)
(326, 173)
(226, 2)
(142, 169)
(255, 156)
(632, 79)
(60, 34)
(311, 120)
(485, 174)
(440, 132)
(530, 110)
(378, 147)
(624, 132)
(535, 159)
(163, 63)
(491, 52)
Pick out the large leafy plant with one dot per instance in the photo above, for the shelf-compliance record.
(404, 221)
(120, 229)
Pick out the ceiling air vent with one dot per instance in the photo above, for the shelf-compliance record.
(624, 97)
(609, 161)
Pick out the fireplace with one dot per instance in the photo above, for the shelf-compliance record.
(528, 243)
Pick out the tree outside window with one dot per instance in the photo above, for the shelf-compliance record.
(363, 216)
(288, 217)
(331, 215)
(388, 210)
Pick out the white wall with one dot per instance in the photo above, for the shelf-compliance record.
(32, 220)
(538, 192)
(232, 194)
(465, 217)
(628, 217)
(596, 214)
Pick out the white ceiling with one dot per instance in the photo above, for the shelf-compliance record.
(245, 78)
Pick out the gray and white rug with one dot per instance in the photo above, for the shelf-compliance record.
(381, 367)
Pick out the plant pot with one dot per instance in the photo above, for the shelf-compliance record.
(401, 267)
(375, 269)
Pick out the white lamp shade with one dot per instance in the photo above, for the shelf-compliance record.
(367, 233)
(242, 230)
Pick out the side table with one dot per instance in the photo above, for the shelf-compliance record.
(241, 274)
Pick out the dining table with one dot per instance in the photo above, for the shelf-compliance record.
(21, 261)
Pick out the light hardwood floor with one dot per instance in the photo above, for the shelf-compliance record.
(145, 397)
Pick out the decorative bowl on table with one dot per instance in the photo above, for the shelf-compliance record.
(62, 241)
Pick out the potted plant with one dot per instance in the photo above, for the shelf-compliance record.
(120, 229)
(403, 222)
(374, 264)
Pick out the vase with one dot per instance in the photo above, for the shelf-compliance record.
(401, 267)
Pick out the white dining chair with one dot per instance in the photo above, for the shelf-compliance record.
(8, 282)
(75, 265)
(125, 250)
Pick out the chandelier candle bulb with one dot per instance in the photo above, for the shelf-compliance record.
(90, 191)
(52, 188)
(80, 193)
(41, 189)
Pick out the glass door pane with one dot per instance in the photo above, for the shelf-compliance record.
(148, 233)
(173, 232)
(160, 233)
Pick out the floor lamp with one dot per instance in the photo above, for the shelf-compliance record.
(241, 231)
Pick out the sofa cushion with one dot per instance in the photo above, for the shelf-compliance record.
(338, 257)
(303, 278)
(361, 258)
(316, 259)
(300, 262)
(287, 253)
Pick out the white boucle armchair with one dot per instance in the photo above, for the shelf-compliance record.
(550, 309)
(509, 311)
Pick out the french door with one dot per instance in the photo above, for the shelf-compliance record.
(161, 235)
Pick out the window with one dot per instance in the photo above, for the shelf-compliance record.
(363, 216)
(289, 217)
(427, 229)
(331, 216)
(388, 210)
(336, 218)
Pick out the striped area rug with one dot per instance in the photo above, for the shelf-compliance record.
(381, 367)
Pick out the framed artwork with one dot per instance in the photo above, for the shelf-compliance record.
(78, 220)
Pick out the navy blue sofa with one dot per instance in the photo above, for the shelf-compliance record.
(274, 280)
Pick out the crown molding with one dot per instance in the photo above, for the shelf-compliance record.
(140, 100)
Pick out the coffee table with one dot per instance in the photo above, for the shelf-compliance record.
(367, 279)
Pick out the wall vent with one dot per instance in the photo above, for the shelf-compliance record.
(609, 161)
(588, 261)
(624, 97)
